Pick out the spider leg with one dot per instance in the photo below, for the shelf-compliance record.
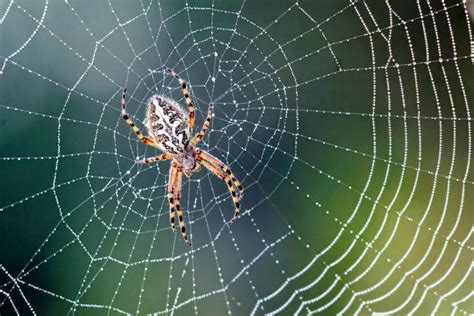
(166, 156)
(137, 131)
(205, 126)
(184, 87)
(171, 186)
(221, 174)
(225, 168)
(234, 181)
(177, 197)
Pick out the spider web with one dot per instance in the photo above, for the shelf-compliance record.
(348, 123)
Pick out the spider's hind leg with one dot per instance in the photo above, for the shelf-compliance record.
(129, 121)
(205, 126)
(184, 87)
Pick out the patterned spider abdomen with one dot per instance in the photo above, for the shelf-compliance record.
(167, 124)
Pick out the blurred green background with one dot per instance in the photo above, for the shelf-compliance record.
(348, 123)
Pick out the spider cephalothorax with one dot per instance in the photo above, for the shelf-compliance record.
(170, 130)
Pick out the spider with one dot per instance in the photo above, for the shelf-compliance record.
(170, 129)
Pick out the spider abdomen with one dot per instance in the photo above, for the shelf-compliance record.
(168, 125)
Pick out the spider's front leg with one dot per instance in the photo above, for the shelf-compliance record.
(222, 171)
(224, 168)
(177, 205)
(171, 188)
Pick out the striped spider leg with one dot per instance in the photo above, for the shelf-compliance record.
(216, 166)
(171, 189)
(184, 87)
(174, 196)
(177, 205)
(225, 173)
(129, 121)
